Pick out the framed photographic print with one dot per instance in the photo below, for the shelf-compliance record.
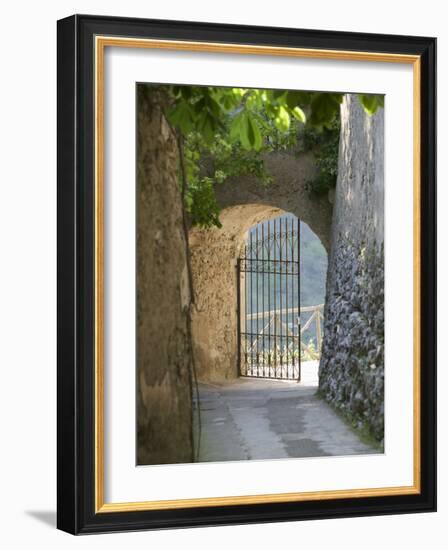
(246, 274)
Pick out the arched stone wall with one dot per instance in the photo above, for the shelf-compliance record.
(288, 191)
(245, 202)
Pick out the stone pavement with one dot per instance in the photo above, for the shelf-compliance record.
(263, 419)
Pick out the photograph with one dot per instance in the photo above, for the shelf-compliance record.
(259, 273)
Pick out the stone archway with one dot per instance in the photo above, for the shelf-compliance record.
(214, 254)
(288, 191)
(245, 202)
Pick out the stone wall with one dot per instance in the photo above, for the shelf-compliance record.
(351, 373)
(164, 433)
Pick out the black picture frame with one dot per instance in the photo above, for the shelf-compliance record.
(76, 254)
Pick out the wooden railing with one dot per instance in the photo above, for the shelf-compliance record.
(275, 319)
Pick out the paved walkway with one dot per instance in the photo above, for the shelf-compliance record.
(262, 419)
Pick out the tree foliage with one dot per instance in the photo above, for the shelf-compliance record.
(227, 130)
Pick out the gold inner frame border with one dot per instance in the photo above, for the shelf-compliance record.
(100, 44)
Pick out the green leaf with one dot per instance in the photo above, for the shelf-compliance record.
(186, 91)
(324, 108)
(182, 116)
(371, 102)
(257, 99)
(254, 134)
(206, 126)
(282, 119)
(199, 106)
(235, 127)
(299, 114)
(228, 100)
(213, 107)
(278, 93)
(244, 131)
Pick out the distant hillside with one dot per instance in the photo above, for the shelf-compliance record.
(313, 268)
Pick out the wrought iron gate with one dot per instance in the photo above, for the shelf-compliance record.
(269, 339)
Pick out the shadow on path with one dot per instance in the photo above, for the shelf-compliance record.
(252, 418)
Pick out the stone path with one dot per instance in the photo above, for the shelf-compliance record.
(262, 419)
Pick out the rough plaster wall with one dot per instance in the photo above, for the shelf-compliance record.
(351, 373)
(214, 253)
(288, 191)
(163, 336)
